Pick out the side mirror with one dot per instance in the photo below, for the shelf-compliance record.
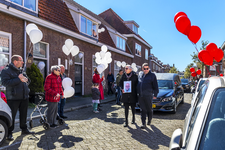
(176, 140)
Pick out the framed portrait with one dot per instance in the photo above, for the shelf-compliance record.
(127, 86)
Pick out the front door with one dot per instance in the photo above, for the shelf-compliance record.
(78, 80)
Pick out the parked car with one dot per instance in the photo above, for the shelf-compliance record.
(186, 85)
(204, 123)
(170, 94)
(5, 120)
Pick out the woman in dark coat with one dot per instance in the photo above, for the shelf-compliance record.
(129, 81)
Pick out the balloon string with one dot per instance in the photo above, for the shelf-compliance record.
(29, 48)
(195, 47)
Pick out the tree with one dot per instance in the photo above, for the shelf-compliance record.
(187, 72)
(195, 59)
(173, 70)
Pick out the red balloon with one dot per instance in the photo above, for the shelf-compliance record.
(211, 48)
(205, 57)
(193, 74)
(192, 69)
(178, 14)
(221, 75)
(219, 55)
(183, 25)
(194, 34)
(198, 72)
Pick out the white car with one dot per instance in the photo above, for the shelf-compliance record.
(198, 86)
(5, 120)
(205, 121)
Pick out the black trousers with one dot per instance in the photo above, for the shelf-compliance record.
(127, 111)
(146, 107)
(110, 88)
(22, 105)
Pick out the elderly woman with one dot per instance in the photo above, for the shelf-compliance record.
(128, 84)
(53, 93)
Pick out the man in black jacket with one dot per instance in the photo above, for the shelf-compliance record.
(110, 79)
(147, 89)
(17, 91)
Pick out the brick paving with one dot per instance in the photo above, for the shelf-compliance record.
(104, 131)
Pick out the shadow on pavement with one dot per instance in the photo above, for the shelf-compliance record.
(53, 138)
(152, 138)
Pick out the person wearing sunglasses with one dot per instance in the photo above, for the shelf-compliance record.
(53, 93)
(129, 98)
(147, 89)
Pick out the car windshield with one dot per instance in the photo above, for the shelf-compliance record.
(184, 80)
(214, 133)
(200, 84)
(165, 84)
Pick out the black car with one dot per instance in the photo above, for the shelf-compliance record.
(170, 93)
(186, 85)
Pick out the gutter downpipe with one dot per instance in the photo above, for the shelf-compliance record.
(25, 45)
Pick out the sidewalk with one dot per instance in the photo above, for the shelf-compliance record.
(71, 105)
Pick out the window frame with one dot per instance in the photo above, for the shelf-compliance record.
(118, 42)
(22, 5)
(86, 27)
(136, 46)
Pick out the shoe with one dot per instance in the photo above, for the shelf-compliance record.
(96, 111)
(99, 105)
(9, 137)
(125, 125)
(99, 109)
(143, 126)
(27, 132)
(149, 122)
(133, 122)
(64, 117)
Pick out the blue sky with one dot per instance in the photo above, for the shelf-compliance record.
(155, 18)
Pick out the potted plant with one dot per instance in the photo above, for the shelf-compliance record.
(37, 83)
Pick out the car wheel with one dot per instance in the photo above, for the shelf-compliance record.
(174, 107)
(182, 101)
(3, 131)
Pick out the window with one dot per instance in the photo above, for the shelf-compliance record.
(5, 50)
(30, 4)
(120, 43)
(138, 49)
(88, 27)
(135, 29)
(116, 69)
(146, 54)
(40, 54)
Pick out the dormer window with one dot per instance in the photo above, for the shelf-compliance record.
(29, 4)
(120, 43)
(88, 27)
(135, 29)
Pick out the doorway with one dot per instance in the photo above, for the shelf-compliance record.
(78, 80)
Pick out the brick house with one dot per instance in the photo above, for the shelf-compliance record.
(156, 65)
(59, 20)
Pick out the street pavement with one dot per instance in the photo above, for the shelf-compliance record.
(103, 131)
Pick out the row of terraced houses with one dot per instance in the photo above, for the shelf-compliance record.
(65, 19)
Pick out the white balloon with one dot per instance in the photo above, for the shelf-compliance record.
(108, 55)
(105, 65)
(135, 69)
(133, 65)
(2, 56)
(99, 30)
(102, 29)
(35, 36)
(123, 63)
(67, 82)
(5, 61)
(104, 48)
(80, 55)
(98, 60)
(68, 92)
(102, 54)
(69, 43)
(118, 63)
(109, 60)
(65, 50)
(30, 27)
(74, 50)
(41, 65)
(97, 55)
(100, 69)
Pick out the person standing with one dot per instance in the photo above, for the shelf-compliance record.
(130, 98)
(147, 89)
(118, 77)
(110, 78)
(95, 97)
(96, 79)
(17, 92)
(62, 101)
(53, 92)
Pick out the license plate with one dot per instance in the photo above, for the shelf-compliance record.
(153, 106)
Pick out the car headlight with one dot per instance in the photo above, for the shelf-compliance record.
(167, 99)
